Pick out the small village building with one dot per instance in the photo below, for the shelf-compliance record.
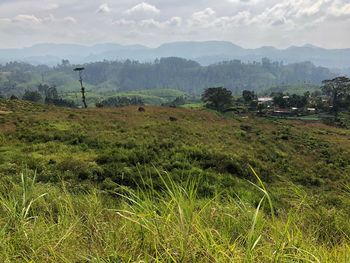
(267, 101)
(283, 112)
(311, 110)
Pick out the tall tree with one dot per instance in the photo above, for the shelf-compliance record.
(338, 89)
(217, 98)
(248, 95)
(280, 101)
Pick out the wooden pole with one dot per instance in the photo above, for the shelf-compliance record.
(82, 89)
(80, 70)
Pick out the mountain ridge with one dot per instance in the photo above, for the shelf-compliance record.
(204, 52)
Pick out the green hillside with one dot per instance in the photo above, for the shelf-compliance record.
(119, 185)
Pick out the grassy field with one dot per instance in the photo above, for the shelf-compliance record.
(118, 185)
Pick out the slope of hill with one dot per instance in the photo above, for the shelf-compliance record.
(206, 53)
(116, 185)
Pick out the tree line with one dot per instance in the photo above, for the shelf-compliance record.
(176, 73)
(45, 94)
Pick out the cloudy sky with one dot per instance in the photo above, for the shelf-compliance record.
(249, 23)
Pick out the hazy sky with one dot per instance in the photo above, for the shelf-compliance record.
(249, 23)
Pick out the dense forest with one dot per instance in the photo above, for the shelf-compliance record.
(175, 73)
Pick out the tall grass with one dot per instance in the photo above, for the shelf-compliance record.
(49, 223)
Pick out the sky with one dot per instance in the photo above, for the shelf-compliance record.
(248, 23)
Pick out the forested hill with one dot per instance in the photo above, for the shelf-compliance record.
(175, 73)
(206, 53)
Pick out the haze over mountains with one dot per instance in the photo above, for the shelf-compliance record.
(203, 52)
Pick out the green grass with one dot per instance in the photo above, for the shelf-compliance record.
(48, 223)
(193, 106)
(117, 185)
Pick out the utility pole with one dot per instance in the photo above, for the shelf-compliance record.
(80, 70)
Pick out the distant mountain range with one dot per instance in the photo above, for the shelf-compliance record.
(205, 53)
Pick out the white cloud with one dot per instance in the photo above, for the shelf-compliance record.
(5, 21)
(70, 19)
(143, 9)
(249, 23)
(311, 8)
(340, 11)
(50, 19)
(242, 18)
(149, 23)
(302, 13)
(27, 19)
(174, 21)
(51, 6)
(103, 9)
(202, 17)
(124, 22)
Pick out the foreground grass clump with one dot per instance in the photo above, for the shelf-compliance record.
(48, 223)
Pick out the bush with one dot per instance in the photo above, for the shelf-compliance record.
(82, 170)
(33, 96)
